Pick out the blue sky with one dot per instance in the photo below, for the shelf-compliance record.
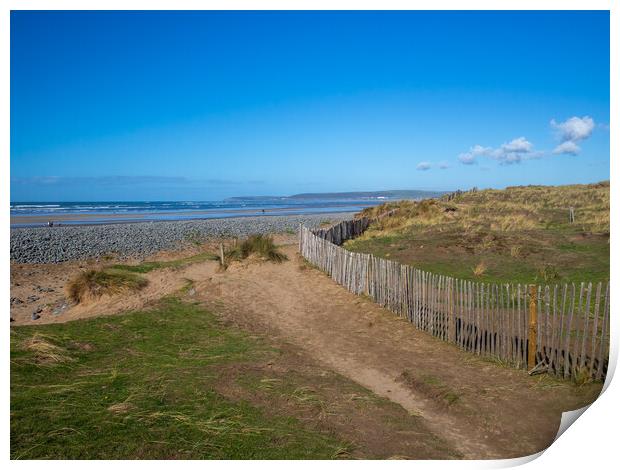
(206, 105)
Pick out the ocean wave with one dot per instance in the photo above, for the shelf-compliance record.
(34, 205)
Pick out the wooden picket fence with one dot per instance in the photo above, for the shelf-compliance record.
(559, 329)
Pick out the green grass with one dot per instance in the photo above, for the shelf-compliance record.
(545, 257)
(142, 386)
(149, 266)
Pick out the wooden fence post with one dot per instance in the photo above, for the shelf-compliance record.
(480, 318)
(222, 254)
(531, 347)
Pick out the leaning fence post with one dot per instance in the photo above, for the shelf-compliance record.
(222, 254)
(531, 345)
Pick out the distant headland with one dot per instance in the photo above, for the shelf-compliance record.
(391, 194)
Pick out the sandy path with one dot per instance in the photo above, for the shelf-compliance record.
(480, 408)
(499, 412)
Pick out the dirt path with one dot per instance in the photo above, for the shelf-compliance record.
(483, 409)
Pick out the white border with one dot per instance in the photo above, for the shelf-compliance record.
(589, 443)
(307, 5)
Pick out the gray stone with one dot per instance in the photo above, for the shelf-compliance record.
(77, 242)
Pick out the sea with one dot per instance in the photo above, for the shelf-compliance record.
(24, 214)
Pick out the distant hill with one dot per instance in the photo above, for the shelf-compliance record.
(393, 194)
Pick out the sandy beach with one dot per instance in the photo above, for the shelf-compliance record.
(161, 215)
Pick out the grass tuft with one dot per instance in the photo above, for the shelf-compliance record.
(93, 283)
(548, 273)
(259, 245)
(120, 408)
(480, 269)
(582, 376)
(188, 286)
(45, 351)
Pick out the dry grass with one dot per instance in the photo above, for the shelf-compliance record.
(515, 251)
(522, 234)
(121, 408)
(45, 351)
(513, 209)
(480, 269)
(261, 246)
(92, 284)
(548, 273)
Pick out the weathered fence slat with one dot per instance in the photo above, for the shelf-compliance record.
(525, 326)
(604, 345)
(595, 328)
(569, 331)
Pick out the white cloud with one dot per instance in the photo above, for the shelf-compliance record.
(570, 132)
(519, 145)
(569, 147)
(423, 166)
(480, 150)
(443, 166)
(574, 129)
(509, 152)
(467, 158)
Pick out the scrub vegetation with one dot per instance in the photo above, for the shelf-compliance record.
(519, 234)
(92, 284)
(258, 245)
